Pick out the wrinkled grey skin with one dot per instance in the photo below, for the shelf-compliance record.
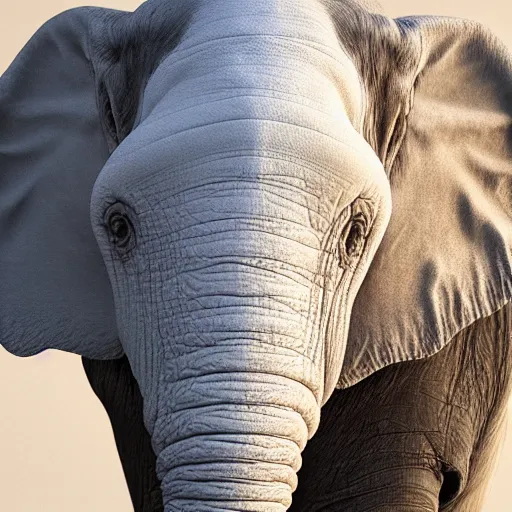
(419, 435)
(255, 203)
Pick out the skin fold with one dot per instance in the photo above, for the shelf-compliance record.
(419, 435)
(243, 207)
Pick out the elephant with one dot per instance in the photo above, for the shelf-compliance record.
(153, 220)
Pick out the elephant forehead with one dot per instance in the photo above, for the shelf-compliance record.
(276, 46)
(270, 78)
(319, 162)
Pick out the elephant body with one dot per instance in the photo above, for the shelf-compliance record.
(254, 204)
(418, 435)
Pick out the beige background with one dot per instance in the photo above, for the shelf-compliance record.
(56, 445)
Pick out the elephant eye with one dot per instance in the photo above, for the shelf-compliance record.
(353, 235)
(120, 228)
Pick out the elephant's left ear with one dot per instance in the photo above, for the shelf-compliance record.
(54, 287)
(445, 260)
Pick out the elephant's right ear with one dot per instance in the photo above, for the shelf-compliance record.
(446, 258)
(54, 287)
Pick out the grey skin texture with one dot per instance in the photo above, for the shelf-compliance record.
(255, 203)
(415, 436)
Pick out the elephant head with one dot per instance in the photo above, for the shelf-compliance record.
(204, 187)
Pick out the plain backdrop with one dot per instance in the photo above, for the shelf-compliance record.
(57, 450)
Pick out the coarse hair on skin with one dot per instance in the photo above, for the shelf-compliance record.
(385, 53)
(126, 49)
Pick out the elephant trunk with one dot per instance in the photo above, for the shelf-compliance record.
(234, 442)
(238, 284)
